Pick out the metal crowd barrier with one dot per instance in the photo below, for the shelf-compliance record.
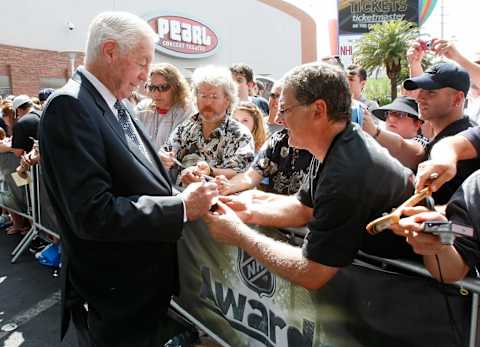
(33, 213)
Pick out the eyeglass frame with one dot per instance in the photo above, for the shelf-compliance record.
(400, 115)
(205, 96)
(283, 112)
(161, 88)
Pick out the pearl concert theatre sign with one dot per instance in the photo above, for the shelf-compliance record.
(184, 37)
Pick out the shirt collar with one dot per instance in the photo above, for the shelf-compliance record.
(107, 95)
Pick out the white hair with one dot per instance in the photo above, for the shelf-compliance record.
(125, 28)
(217, 76)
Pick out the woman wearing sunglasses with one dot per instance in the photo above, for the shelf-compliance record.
(168, 105)
(402, 134)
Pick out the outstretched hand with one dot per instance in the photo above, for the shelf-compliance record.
(224, 225)
(240, 206)
(411, 228)
(198, 198)
(434, 174)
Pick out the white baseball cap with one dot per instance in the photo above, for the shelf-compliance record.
(19, 101)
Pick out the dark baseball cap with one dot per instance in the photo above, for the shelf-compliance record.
(439, 76)
(45, 93)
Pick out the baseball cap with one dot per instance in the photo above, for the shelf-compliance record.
(439, 76)
(19, 101)
(400, 104)
(43, 94)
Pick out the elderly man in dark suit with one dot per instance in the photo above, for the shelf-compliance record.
(119, 216)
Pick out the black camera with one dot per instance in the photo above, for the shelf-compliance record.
(442, 229)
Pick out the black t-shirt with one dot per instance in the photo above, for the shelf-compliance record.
(23, 129)
(464, 168)
(473, 135)
(355, 184)
(463, 208)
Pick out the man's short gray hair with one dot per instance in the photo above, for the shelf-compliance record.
(217, 76)
(124, 28)
(310, 82)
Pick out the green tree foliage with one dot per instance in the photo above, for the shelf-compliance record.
(385, 46)
(378, 90)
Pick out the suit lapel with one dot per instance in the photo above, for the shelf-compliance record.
(112, 121)
(149, 147)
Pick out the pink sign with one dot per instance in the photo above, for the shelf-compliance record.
(184, 37)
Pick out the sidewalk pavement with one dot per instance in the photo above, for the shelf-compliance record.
(29, 301)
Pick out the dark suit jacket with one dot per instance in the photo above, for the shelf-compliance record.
(119, 221)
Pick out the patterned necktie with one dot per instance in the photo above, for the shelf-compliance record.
(127, 126)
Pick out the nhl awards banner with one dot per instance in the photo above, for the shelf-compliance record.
(242, 302)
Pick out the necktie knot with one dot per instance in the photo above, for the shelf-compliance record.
(119, 106)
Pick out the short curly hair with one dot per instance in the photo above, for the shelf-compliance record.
(217, 76)
(310, 82)
(244, 70)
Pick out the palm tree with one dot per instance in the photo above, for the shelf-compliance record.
(385, 46)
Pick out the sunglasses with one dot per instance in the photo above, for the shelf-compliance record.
(400, 115)
(274, 96)
(159, 88)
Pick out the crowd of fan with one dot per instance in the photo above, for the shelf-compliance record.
(243, 144)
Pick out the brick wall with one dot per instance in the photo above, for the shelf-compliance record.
(26, 66)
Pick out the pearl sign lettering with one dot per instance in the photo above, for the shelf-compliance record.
(184, 37)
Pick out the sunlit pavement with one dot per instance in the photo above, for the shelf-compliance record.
(29, 301)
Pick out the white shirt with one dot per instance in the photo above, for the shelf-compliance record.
(110, 99)
(106, 94)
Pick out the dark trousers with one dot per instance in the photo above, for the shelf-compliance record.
(80, 321)
(90, 335)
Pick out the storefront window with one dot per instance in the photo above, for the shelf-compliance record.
(5, 87)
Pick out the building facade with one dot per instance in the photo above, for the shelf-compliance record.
(42, 42)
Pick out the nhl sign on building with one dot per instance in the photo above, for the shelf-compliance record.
(184, 37)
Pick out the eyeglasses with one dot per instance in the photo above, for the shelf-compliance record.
(159, 88)
(214, 97)
(284, 111)
(274, 96)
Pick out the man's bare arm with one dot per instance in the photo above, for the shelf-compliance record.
(443, 161)
(255, 207)
(409, 152)
(286, 212)
(453, 267)
(448, 49)
(238, 183)
(281, 258)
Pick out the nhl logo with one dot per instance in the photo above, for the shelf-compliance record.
(256, 276)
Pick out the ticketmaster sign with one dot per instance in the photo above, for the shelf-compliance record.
(184, 37)
(357, 16)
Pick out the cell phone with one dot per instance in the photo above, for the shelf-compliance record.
(427, 45)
